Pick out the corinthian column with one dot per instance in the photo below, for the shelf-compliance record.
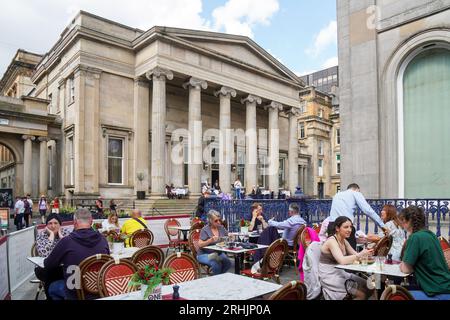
(293, 114)
(251, 143)
(158, 76)
(274, 144)
(27, 163)
(43, 165)
(226, 138)
(196, 133)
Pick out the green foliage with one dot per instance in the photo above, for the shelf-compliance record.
(150, 276)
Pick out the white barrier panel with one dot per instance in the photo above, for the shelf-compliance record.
(4, 282)
(19, 248)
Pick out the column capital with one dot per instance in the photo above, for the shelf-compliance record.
(292, 112)
(226, 92)
(141, 81)
(251, 99)
(195, 83)
(42, 139)
(26, 137)
(159, 73)
(274, 105)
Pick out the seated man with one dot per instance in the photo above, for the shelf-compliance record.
(424, 256)
(132, 225)
(291, 225)
(83, 242)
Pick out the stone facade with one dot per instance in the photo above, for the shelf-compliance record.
(318, 127)
(375, 40)
(130, 101)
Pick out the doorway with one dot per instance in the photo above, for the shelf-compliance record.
(214, 177)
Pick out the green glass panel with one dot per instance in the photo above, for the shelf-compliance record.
(427, 125)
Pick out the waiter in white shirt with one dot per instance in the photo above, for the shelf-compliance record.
(344, 204)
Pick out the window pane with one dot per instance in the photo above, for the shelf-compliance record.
(115, 148)
(114, 170)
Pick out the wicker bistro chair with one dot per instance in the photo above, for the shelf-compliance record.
(141, 238)
(195, 220)
(305, 240)
(444, 243)
(294, 290)
(447, 257)
(184, 265)
(89, 272)
(383, 246)
(272, 262)
(194, 237)
(40, 288)
(114, 277)
(148, 256)
(393, 292)
(198, 225)
(292, 254)
(175, 241)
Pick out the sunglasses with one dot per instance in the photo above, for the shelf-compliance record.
(217, 220)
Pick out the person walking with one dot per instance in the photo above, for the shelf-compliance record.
(43, 207)
(28, 212)
(19, 209)
(237, 188)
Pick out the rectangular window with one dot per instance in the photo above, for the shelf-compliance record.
(71, 162)
(320, 148)
(320, 113)
(241, 164)
(281, 174)
(338, 136)
(320, 167)
(302, 130)
(50, 167)
(320, 81)
(71, 89)
(262, 181)
(302, 106)
(186, 164)
(50, 106)
(338, 164)
(115, 160)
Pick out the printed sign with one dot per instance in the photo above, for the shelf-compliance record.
(6, 198)
(4, 217)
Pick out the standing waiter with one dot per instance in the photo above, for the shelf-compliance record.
(344, 204)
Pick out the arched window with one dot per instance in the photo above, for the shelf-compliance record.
(426, 123)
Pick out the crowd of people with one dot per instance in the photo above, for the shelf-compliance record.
(23, 209)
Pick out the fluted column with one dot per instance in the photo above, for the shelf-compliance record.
(43, 165)
(27, 163)
(196, 133)
(293, 114)
(251, 142)
(158, 76)
(226, 138)
(274, 145)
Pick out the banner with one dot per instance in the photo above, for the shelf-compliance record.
(4, 217)
(4, 282)
(19, 248)
(6, 198)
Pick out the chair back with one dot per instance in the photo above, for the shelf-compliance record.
(148, 256)
(114, 277)
(195, 220)
(89, 271)
(185, 267)
(393, 292)
(34, 252)
(383, 246)
(317, 227)
(172, 233)
(297, 238)
(305, 239)
(141, 238)
(194, 237)
(197, 225)
(294, 290)
(274, 257)
(444, 243)
(447, 257)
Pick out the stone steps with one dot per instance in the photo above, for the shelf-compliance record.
(166, 206)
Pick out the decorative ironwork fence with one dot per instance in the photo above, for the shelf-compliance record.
(315, 211)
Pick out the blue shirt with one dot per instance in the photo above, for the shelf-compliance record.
(290, 227)
(207, 233)
(345, 202)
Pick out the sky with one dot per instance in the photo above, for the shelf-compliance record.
(301, 34)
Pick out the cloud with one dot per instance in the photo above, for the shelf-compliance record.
(326, 37)
(331, 62)
(241, 16)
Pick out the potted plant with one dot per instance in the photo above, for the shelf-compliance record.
(116, 241)
(244, 224)
(140, 194)
(151, 279)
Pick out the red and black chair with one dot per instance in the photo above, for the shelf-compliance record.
(396, 293)
(174, 235)
(185, 267)
(141, 238)
(114, 277)
(89, 272)
(148, 256)
(294, 290)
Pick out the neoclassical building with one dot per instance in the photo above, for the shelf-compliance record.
(130, 110)
(394, 64)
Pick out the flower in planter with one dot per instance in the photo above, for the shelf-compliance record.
(150, 276)
(115, 237)
(244, 223)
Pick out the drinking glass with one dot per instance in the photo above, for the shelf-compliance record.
(260, 229)
(380, 262)
(364, 260)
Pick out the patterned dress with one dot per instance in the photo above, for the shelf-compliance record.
(44, 245)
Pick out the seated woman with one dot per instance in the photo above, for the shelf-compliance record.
(210, 235)
(337, 250)
(46, 241)
(112, 223)
(424, 256)
(393, 228)
(257, 218)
